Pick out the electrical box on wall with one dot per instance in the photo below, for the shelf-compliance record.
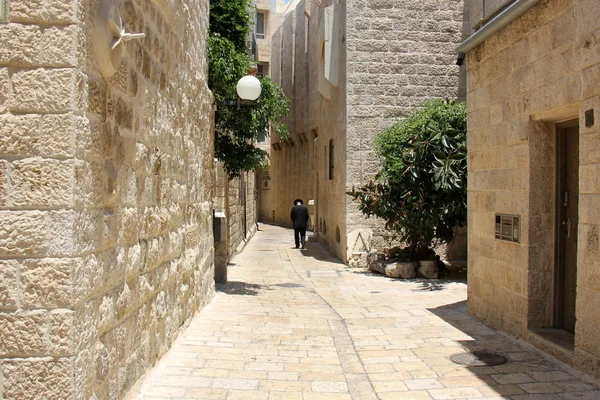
(508, 227)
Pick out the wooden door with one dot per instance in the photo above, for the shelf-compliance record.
(567, 223)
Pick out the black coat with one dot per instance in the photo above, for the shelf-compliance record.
(299, 216)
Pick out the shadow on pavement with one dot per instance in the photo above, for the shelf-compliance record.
(431, 285)
(319, 253)
(425, 285)
(239, 288)
(534, 367)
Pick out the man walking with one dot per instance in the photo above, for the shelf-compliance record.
(299, 216)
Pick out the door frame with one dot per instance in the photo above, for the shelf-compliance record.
(558, 297)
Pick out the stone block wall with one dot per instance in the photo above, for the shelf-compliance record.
(400, 54)
(394, 56)
(541, 70)
(483, 9)
(297, 165)
(328, 118)
(106, 246)
(238, 199)
(291, 166)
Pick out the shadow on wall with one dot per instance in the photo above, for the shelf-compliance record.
(533, 367)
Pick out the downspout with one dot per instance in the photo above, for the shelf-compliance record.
(512, 12)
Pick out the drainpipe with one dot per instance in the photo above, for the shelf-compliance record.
(512, 12)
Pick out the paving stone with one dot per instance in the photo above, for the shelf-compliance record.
(228, 383)
(329, 387)
(212, 394)
(334, 339)
(518, 377)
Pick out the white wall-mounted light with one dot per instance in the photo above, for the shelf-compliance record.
(248, 88)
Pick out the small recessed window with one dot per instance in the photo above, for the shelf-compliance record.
(260, 25)
(331, 159)
(262, 137)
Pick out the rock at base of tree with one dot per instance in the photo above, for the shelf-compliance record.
(404, 270)
(377, 266)
(428, 269)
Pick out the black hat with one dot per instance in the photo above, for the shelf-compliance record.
(298, 200)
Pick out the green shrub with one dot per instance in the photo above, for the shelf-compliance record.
(421, 188)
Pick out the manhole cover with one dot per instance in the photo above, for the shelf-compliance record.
(478, 359)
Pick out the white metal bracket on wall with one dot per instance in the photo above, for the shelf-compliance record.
(109, 38)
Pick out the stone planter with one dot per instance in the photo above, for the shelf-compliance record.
(428, 269)
(404, 270)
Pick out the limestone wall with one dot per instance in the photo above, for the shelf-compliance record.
(264, 45)
(483, 9)
(400, 54)
(542, 69)
(297, 164)
(105, 202)
(328, 118)
(291, 166)
(394, 56)
(241, 210)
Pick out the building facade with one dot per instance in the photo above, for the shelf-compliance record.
(106, 247)
(352, 68)
(237, 200)
(534, 167)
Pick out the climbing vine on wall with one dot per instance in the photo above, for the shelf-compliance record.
(237, 128)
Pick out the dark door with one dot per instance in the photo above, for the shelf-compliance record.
(567, 202)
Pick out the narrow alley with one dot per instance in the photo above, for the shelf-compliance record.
(298, 324)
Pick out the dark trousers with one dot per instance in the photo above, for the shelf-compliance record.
(299, 234)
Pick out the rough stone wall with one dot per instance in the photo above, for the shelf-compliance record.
(105, 213)
(264, 45)
(400, 54)
(296, 164)
(292, 165)
(543, 68)
(328, 117)
(482, 9)
(241, 209)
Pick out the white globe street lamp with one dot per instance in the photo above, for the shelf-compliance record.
(248, 88)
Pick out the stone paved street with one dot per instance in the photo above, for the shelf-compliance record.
(297, 324)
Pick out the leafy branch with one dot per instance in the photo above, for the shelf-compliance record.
(421, 188)
(236, 129)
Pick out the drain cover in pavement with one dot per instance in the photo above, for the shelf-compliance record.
(478, 359)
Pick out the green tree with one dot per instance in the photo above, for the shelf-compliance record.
(230, 20)
(421, 188)
(235, 129)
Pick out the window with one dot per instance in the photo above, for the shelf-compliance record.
(262, 136)
(331, 159)
(260, 25)
(262, 70)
